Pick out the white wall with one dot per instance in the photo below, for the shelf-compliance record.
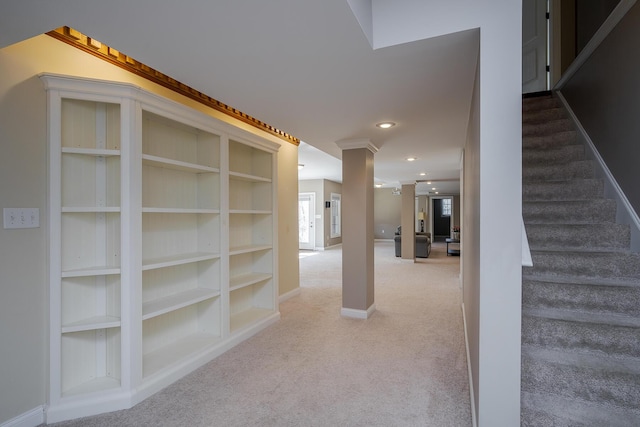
(23, 183)
(470, 254)
(494, 306)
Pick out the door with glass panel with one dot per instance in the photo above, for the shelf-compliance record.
(306, 216)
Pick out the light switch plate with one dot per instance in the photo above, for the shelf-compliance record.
(21, 217)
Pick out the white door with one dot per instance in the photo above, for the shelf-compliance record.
(534, 46)
(306, 215)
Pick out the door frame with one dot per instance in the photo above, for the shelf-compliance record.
(432, 217)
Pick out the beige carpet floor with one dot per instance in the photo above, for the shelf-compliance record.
(404, 366)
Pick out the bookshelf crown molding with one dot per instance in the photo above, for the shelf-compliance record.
(85, 43)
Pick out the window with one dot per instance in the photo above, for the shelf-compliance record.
(446, 207)
(336, 223)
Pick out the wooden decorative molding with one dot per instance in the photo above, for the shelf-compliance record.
(111, 55)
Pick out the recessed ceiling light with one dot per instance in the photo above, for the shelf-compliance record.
(428, 182)
(411, 159)
(378, 185)
(300, 166)
(433, 188)
(385, 125)
(422, 173)
(437, 192)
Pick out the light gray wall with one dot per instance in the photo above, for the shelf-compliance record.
(23, 261)
(604, 94)
(387, 209)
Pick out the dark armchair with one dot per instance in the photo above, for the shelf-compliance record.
(423, 243)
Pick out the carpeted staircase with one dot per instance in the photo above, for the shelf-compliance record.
(581, 299)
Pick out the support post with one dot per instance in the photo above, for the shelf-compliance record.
(357, 228)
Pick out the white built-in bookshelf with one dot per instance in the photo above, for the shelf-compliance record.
(162, 242)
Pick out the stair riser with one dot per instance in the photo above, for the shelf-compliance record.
(574, 170)
(553, 156)
(616, 300)
(541, 103)
(549, 141)
(614, 237)
(621, 266)
(583, 212)
(538, 116)
(547, 127)
(570, 190)
(618, 389)
(620, 341)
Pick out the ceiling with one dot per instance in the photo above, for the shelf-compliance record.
(303, 66)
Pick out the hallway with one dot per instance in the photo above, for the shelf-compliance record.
(404, 366)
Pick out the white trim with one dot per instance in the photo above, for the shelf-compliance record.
(289, 294)
(607, 26)
(326, 248)
(352, 144)
(527, 261)
(472, 399)
(622, 203)
(30, 418)
(358, 314)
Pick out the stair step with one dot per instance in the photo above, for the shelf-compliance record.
(610, 265)
(537, 116)
(575, 189)
(593, 299)
(582, 378)
(567, 212)
(546, 141)
(583, 316)
(585, 237)
(546, 128)
(616, 341)
(539, 103)
(583, 169)
(549, 410)
(553, 155)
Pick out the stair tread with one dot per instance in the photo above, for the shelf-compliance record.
(566, 137)
(589, 360)
(582, 280)
(589, 211)
(608, 234)
(613, 319)
(575, 413)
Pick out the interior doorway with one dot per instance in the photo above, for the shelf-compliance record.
(442, 209)
(306, 215)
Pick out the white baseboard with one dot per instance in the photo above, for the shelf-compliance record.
(30, 418)
(358, 314)
(288, 295)
(328, 247)
(471, 393)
